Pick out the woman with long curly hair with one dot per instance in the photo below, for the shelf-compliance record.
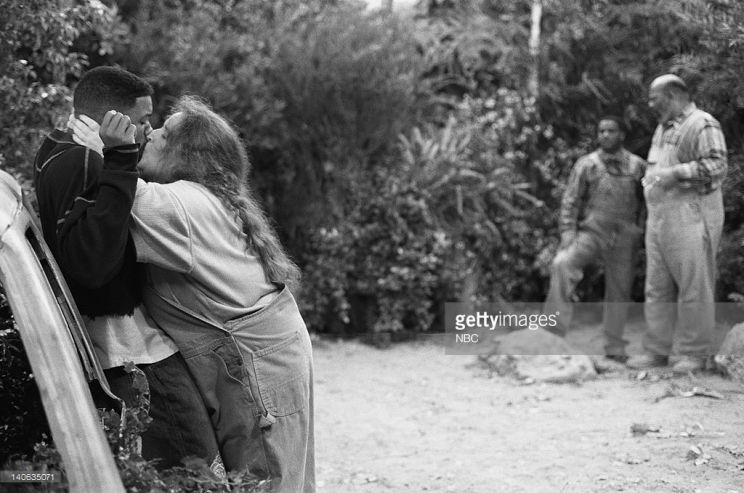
(219, 283)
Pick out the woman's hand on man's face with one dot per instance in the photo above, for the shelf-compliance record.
(116, 129)
(85, 132)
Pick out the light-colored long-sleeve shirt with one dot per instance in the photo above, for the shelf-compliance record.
(196, 255)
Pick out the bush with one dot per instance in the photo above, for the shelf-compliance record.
(730, 266)
(346, 78)
(380, 268)
(22, 419)
(450, 218)
(37, 59)
(216, 50)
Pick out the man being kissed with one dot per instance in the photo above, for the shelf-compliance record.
(85, 199)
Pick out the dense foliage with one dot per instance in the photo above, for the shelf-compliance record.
(22, 419)
(37, 63)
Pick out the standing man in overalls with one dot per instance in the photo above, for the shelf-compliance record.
(687, 165)
(599, 221)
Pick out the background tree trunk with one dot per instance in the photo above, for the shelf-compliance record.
(533, 85)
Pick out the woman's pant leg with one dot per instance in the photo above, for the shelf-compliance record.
(220, 373)
(260, 401)
(279, 376)
(289, 440)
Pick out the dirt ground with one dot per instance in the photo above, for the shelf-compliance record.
(411, 418)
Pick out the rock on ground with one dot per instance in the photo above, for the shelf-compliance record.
(730, 357)
(538, 355)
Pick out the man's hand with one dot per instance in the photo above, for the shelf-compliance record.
(116, 129)
(85, 132)
(658, 177)
(567, 237)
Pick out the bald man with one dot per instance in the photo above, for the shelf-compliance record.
(686, 166)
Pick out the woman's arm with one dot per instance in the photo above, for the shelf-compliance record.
(161, 228)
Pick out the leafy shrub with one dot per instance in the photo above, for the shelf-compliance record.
(388, 254)
(730, 260)
(346, 78)
(36, 59)
(217, 50)
(733, 193)
(516, 190)
(44, 458)
(467, 51)
(22, 419)
(730, 266)
(499, 194)
(451, 217)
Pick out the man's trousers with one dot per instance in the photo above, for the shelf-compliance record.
(617, 253)
(682, 237)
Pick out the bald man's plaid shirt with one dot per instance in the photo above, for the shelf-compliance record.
(696, 138)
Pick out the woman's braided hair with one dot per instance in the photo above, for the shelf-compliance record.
(204, 148)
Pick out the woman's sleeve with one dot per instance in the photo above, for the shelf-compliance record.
(161, 228)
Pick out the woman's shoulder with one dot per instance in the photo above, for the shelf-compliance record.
(199, 201)
(192, 200)
(194, 194)
(185, 191)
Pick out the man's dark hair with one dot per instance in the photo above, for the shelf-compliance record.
(108, 88)
(614, 118)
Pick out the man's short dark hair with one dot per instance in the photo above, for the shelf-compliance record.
(614, 118)
(106, 88)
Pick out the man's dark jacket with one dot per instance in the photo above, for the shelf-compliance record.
(84, 203)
